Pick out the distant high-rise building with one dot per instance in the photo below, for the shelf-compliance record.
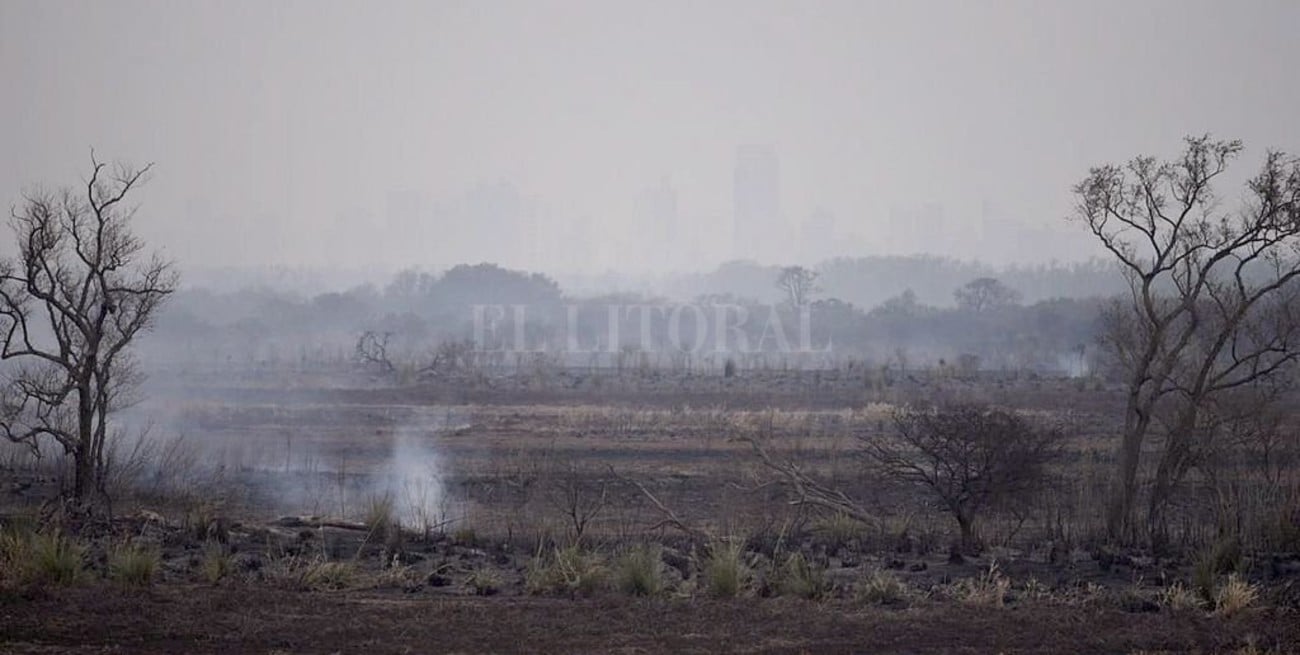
(659, 239)
(408, 225)
(818, 237)
(757, 230)
(919, 229)
(496, 225)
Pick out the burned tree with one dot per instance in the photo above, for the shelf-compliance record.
(970, 457)
(1211, 304)
(72, 302)
(372, 351)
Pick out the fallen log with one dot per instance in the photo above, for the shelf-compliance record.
(319, 522)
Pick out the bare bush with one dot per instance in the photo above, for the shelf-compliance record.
(970, 457)
(576, 493)
(371, 351)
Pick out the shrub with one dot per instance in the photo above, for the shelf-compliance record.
(132, 564)
(380, 518)
(802, 578)
(838, 529)
(215, 563)
(203, 523)
(400, 577)
(725, 573)
(1225, 556)
(1035, 589)
(970, 457)
(1205, 579)
(54, 559)
(16, 543)
(465, 537)
(330, 576)
(310, 574)
(484, 582)
(569, 571)
(1131, 598)
(640, 571)
(881, 588)
(1234, 595)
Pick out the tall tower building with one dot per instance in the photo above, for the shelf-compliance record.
(660, 241)
(756, 210)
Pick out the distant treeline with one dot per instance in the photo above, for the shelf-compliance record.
(890, 311)
(869, 281)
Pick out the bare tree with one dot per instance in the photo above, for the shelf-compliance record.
(985, 294)
(1211, 303)
(71, 304)
(581, 495)
(450, 357)
(798, 284)
(970, 457)
(372, 351)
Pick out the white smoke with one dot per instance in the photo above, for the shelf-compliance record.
(413, 480)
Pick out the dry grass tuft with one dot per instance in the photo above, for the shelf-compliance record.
(133, 564)
(311, 573)
(1180, 597)
(639, 571)
(566, 571)
(802, 578)
(882, 588)
(485, 582)
(380, 516)
(31, 557)
(725, 573)
(215, 563)
(838, 529)
(989, 589)
(1234, 595)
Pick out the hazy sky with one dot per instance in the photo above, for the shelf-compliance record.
(357, 134)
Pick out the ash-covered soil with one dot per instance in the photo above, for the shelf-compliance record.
(200, 619)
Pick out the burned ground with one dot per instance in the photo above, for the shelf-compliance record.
(283, 483)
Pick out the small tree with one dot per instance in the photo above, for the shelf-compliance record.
(798, 283)
(970, 457)
(985, 294)
(70, 305)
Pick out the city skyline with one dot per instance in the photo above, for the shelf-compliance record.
(328, 135)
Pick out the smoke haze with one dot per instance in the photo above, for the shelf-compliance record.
(576, 138)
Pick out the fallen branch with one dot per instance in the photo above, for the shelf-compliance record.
(670, 517)
(809, 492)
